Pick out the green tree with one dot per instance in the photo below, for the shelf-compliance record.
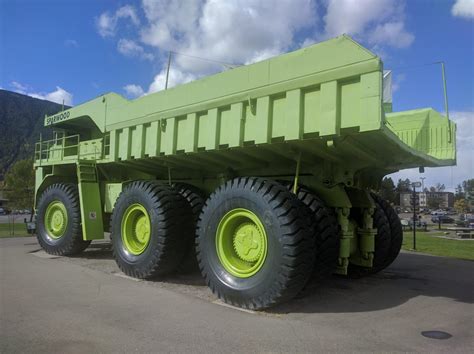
(468, 189)
(461, 206)
(387, 190)
(459, 192)
(19, 184)
(403, 185)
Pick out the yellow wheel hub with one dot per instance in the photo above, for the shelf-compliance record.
(55, 219)
(241, 243)
(136, 229)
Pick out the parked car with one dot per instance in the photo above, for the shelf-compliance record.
(466, 222)
(470, 223)
(5, 211)
(408, 224)
(438, 212)
(443, 218)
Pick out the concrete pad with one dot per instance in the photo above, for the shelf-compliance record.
(80, 305)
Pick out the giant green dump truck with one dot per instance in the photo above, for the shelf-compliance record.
(263, 174)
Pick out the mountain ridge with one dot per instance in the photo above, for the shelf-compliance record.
(21, 123)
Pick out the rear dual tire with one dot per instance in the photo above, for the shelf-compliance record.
(388, 240)
(326, 232)
(255, 244)
(195, 199)
(396, 230)
(381, 246)
(150, 227)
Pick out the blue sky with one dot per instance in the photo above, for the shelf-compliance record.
(76, 50)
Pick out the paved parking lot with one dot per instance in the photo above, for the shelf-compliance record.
(84, 305)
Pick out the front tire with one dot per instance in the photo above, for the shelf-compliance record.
(255, 244)
(59, 220)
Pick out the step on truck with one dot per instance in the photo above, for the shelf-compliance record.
(262, 175)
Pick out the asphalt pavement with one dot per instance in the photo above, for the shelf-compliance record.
(84, 304)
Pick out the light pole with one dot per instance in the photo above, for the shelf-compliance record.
(415, 202)
(422, 183)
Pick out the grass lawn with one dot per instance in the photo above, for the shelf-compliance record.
(426, 242)
(6, 230)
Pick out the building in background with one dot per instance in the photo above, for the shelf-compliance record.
(429, 199)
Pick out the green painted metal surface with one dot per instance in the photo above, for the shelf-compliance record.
(241, 243)
(313, 100)
(56, 219)
(90, 201)
(136, 229)
(111, 193)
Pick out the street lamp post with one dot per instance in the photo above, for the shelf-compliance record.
(422, 183)
(415, 202)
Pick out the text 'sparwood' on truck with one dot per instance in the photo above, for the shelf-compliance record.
(262, 174)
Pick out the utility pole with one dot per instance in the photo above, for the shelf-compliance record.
(168, 70)
(415, 203)
(422, 183)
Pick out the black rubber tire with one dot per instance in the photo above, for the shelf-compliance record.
(171, 227)
(326, 232)
(194, 196)
(196, 200)
(382, 246)
(396, 230)
(290, 255)
(71, 242)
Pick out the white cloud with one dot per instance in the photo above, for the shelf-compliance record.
(245, 31)
(17, 87)
(230, 31)
(106, 23)
(397, 81)
(130, 48)
(450, 176)
(379, 22)
(465, 129)
(133, 91)
(234, 32)
(176, 77)
(463, 8)
(393, 34)
(59, 95)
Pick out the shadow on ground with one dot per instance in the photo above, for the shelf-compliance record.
(97, 251)
(412, 275)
